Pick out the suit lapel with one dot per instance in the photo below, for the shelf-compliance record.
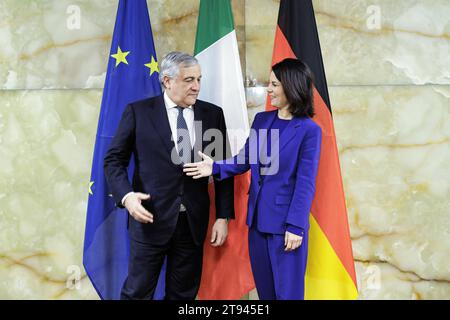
(159, 119)
(200, 125)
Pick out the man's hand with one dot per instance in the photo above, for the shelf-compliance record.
(292, 241)
(135, 208)
(219, 232)
(201, 169)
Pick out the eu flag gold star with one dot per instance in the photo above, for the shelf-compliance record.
(120, 56)
(153, 66)
(90, 186)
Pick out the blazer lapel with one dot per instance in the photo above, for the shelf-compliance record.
(263, 135)
(289, 132)
(158, 117)
(281, 140)
(266, 123)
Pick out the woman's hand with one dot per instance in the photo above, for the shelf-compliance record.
(291, 241)
(201, 169)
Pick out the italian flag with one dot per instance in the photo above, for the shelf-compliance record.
(226, 270)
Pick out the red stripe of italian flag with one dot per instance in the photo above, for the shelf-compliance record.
(330, 272)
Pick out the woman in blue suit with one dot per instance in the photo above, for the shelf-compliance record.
(282, 152)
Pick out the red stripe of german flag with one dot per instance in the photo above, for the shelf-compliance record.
(330, 270)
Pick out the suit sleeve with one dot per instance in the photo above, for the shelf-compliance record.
(239, 163)
(117, 158)
(224, 189)
(305, 185)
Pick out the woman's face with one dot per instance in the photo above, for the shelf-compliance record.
(276, 92)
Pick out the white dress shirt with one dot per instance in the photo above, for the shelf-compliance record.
(172, 115)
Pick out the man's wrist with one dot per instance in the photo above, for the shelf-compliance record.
(125, 197)
(226, 219)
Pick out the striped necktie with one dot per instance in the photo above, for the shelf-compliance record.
(183, 138)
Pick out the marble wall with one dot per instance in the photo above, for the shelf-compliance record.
(388, 71)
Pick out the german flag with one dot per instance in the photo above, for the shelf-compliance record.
(330, 271)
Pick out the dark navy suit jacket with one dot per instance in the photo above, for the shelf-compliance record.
(284, 195)
(144, 131)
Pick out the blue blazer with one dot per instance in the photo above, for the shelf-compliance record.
(283, 195)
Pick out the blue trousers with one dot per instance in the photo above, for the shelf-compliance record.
(278, 274)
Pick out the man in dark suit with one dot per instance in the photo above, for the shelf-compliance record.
(168, 211)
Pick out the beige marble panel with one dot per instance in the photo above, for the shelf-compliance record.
(46, 144)
(394, 152)
(39, 48)
(409, 46)
(380, 280)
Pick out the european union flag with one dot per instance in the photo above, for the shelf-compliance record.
(132, 75)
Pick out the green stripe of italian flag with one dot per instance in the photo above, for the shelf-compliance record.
(216, 49)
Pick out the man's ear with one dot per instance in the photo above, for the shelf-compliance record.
(166, 82)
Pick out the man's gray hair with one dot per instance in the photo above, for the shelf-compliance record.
(171, 63)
